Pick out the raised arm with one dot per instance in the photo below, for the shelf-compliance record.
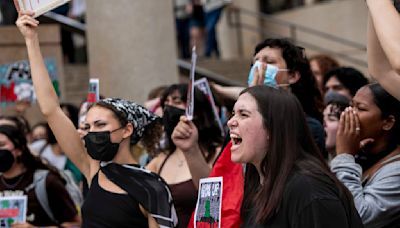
(386, 21)
(378, 64)
(61, 125)
(185, 137)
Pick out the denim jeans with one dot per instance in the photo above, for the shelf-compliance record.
(182, 30)
(212, 19)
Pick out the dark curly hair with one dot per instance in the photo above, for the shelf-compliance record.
(350, 78)
(305, 89)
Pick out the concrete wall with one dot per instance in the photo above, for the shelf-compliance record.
(131, 46)
(344, 18)
(227, 35)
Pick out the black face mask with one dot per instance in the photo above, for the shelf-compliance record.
(171, 116)
(6, 160)
(99, 145)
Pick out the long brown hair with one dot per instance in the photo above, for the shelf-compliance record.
(290, 148)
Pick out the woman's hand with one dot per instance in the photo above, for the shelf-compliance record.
(348, 134)
(27, 24)
(185, 134)
(259, 75)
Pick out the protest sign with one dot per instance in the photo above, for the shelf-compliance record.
(209, 200)
(39, 7)
(204, 86)
(12, 210)
(190, 92)
(16, 82)
(94, 91)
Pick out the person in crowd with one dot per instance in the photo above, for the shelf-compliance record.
(292, 72)
(372, 172)
(192, 147)
(213, 10)
(19, 121)
(72, 112)
(344, 80)
(134, 197)
(287, 182)
(335, 105)
(182, 22)
(197, 24)
(383, 46)
(153, 103)
(39, 132)
(320, 65)
(18, 167)
(8, 12)
(77, 10)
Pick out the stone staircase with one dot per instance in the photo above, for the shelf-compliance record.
(234, 69)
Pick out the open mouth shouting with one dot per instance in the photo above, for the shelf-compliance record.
(236, 141)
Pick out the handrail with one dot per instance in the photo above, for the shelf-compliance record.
(66, 23)
(184, 66)
(234, 19)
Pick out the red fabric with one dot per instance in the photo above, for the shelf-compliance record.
(232, 194)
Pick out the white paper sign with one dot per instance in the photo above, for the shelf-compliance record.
(209, 202)
(39, 7)
(204, 86)
(12, 209)
(190, 92)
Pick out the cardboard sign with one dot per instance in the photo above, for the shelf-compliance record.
(209, 202)
(190, 92)
(39, 7)
(12, 210)
(204, 86)
(94, 91)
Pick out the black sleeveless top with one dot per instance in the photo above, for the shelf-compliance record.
(184, 195)
(107, 209)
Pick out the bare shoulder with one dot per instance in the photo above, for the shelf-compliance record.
(156, 162)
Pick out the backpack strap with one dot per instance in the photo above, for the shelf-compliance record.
(39, 181)
(392, 157)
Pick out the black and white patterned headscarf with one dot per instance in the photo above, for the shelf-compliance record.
(136, 114)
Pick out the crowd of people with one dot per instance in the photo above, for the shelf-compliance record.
(308, 143)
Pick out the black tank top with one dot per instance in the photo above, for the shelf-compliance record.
(107, 209)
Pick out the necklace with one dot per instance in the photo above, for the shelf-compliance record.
(12, 186)
(180, 163)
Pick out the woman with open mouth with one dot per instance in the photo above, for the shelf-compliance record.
(287, 182)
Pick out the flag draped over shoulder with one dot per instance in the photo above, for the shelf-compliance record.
(147, 188)
(232, 193)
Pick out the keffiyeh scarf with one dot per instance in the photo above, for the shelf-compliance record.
(149, 189)
(136, 114)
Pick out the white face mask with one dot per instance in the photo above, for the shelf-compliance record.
(270, 75)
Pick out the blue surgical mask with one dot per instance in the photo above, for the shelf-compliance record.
(270, 74)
